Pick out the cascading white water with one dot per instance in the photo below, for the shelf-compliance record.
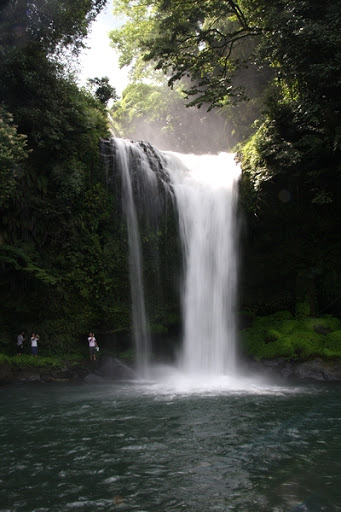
(130, 159)
(205, 192)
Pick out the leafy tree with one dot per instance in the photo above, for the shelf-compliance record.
(202, 43)
(56, 223)
(103, 90)
(53, 25)
(292, 164)
(32, 36)
(300, 137)
(208, 48)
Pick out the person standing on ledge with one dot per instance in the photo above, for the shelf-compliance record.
(20, 342)
(92, 346)
(34, 345)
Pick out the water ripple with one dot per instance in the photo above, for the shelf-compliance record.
(113, 448)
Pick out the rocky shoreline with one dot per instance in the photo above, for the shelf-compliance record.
(109, 368)
(313, 369)
(106, 368)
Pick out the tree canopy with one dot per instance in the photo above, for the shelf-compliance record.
(51, 25)
(103, 91)
(202, 43)
(208, 43)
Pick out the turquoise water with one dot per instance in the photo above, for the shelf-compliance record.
(147, 448)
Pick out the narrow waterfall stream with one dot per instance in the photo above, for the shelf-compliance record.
(204, 193)
(129, 159)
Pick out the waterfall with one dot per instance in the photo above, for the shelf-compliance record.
(135, 170)
(203, 189)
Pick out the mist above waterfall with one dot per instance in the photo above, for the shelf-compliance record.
(196, 132)
(157, 114)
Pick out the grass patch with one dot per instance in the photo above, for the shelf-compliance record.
(49, 362)
(282, 335)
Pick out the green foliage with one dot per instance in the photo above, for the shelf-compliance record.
(302, 310)
(332, 344)
(27, 361)
(204, 42)
(324, 324)
(282, 335)
(291, 165)
(16, 259)
(53, 26)
(102, 89)
(12, 152)
(62, 260)
(4, 359)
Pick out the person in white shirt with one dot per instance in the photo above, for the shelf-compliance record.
(34, 344)
(92, 346)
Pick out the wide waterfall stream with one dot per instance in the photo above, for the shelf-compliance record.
(204, 188)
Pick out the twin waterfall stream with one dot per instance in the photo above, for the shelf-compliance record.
(203, 190)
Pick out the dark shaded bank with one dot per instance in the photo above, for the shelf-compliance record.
(109, 368)
(314, 368)
(105, 368)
